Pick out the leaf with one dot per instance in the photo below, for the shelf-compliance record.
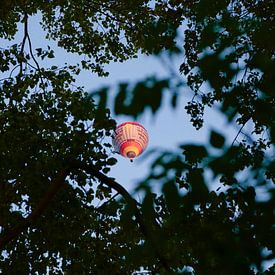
(216, 139)
(174, 100)
(111, 161)
(172, 196)
(199, 189)
(39, 51)
(194, 153)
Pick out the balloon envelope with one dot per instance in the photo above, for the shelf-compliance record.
(130, 139)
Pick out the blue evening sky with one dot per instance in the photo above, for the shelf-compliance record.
(167, 129)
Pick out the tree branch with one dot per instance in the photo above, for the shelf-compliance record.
(42, 205)
(57, 184)
(240, 130)
(25, 20)
(102, 206)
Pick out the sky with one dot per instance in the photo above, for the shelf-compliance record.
(167, 129)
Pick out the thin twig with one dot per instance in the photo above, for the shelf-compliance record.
(10, 76)
(238, 134)
(25, 20)
(106, 202)
(34, 59)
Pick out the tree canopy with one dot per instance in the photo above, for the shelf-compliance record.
(54, 157)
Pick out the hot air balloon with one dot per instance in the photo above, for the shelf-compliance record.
(130, 139)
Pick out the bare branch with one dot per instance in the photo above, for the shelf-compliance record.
(240, 131)
(25, 20)
(106, 202)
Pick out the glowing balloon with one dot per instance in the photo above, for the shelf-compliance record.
(130, 139)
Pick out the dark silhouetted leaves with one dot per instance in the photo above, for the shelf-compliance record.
(216, 139)
(184, 225)
(171, 196)
(145, 94)
(194, 153)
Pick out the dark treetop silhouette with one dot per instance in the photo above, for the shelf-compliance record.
(53, 160)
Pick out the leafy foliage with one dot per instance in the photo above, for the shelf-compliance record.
(54, 156)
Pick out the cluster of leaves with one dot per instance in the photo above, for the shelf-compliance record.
(53, 156)
(49, 222)
(45, 123)
(228, 65)
(228, 48)
(100, 31)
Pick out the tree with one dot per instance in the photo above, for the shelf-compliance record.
(54, 162)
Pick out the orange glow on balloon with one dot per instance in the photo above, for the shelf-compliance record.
(130, 139)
